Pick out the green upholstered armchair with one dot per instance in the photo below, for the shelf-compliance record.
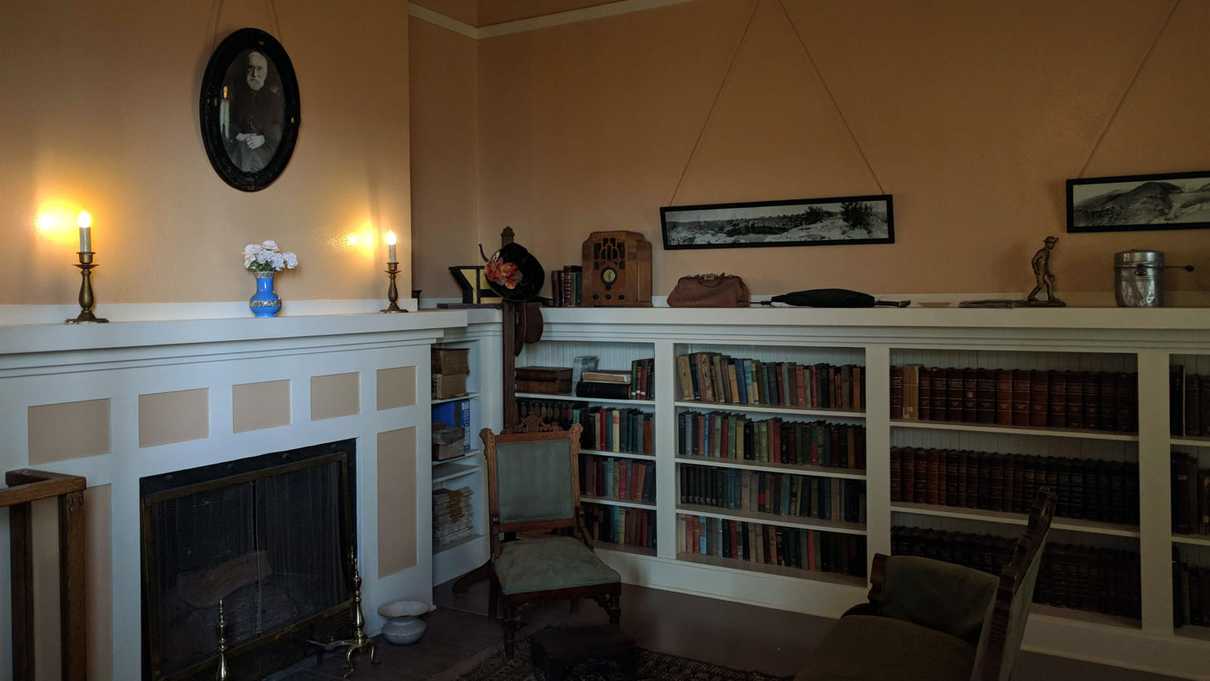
(928, 620)
(533, 491)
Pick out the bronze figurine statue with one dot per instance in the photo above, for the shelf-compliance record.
(1044, 278)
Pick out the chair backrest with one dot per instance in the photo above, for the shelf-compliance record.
(1000, 639)
(532, 478)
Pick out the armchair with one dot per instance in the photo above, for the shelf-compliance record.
(533, 487)
(927, 620)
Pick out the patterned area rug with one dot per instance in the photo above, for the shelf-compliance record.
(652, 666)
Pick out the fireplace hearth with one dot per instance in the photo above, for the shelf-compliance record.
(268, 535)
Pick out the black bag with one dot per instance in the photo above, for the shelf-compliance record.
(834, 297)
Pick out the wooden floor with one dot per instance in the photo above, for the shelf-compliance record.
(730, 634)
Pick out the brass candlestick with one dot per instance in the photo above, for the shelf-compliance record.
(87, 301)
(222, 674)
(393, 290)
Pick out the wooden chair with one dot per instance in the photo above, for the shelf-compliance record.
(928, 620)
(533, 486)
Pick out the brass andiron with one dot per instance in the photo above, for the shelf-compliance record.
(87, 301)
(360, 642)
(393, 290)
(222, 674)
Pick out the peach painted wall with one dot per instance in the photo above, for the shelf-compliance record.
(971, 114)
(100, 110)
(444, 66)
(500, 11)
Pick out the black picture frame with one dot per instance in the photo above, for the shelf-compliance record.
(251, 173)
(1124, 199)
(674, 242)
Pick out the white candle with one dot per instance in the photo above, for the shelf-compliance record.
(84, 221)
(391, 257)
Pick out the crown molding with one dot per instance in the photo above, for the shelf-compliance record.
(574, 16)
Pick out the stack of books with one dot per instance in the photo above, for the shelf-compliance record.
(769, 545)
(1191, 586)
(717, 378)
(636, 384)
(607, 429)
(544, 380)
(616, 525)
(722, 435)
(1190, 495)
(1088, 578)
(1189, 403)
(452, 517)
(566, 286)
(793, 496)
(1090, 489)
(1102, 400)
(620, 479)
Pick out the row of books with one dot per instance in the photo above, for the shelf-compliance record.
(798, 496)
(1091, 489)
(1190, 495)
(1052, 399)
(636, 384)
(1091, 578)
(770, 545)
(622, 479)
(566, 286)
(1189, 403)
(608, 429)
(452, 516)
(714, 377)
(1191, 588)
(722, 435)
(617, 525)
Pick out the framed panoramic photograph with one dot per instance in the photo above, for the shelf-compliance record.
(1139, 202)
(796, 222)
(249, 109)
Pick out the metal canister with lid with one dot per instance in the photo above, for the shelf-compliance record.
(1139, 278)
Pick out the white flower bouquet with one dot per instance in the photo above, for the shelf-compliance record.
(267, 257)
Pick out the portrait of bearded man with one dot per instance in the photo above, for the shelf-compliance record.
(252, 126)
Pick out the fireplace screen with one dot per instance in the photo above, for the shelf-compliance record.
(269, 536)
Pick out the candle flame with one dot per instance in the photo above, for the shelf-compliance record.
(84, 220)
(391, 238)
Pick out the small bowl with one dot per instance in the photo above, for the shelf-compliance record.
(403, 625)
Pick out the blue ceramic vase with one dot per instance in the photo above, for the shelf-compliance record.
(264, 303)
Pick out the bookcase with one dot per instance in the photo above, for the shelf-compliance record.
(618, 479)
(1113, 585)
(1189, 410)
(478, 408)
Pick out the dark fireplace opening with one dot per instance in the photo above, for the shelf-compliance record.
(270, 536)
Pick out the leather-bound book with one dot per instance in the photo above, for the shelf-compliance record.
(897, 392)
(973, 476)
(1075, 499)
(1075, 399)
(1039, 398)
(934, 477)
(956, 393)
(970, 395)
(1128, 403)
(1028, 484)
(1193, 407)
(1108, 400)
(959, 479)
(896, 474)
(940, 394)
(983, 493)
(1021, 396)
(1063, 488)
(1092, 401)
(1104, 501)
(985, 397)
(1176, 396)
(921, 488)
(1205, 410)
(1058, 399)
(1004, 397)
(860, 436)
(995, 488)
(951, 479)
(1185, 515)
(907, 473)
(1092, 507)
(922, 377)
(1010, 483)
(1203, 505)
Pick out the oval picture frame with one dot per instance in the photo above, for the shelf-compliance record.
(249, 109)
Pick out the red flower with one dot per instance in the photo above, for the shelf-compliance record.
(502, 273)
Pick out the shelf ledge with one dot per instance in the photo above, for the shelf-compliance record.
(1007, 518)
(804, 469)
(1017, 430)
(819, 524)
(764, 409)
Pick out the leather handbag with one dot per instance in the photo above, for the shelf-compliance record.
(710, 290)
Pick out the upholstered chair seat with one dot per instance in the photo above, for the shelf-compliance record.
(549, 564)
(872, 647)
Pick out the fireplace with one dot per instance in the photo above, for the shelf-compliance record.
(271, 537)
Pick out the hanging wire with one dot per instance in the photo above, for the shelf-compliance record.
(1133, 79)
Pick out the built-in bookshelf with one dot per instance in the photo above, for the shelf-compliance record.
(1189, 428)
(700, 546)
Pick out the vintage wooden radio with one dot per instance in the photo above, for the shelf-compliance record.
(617, 270)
